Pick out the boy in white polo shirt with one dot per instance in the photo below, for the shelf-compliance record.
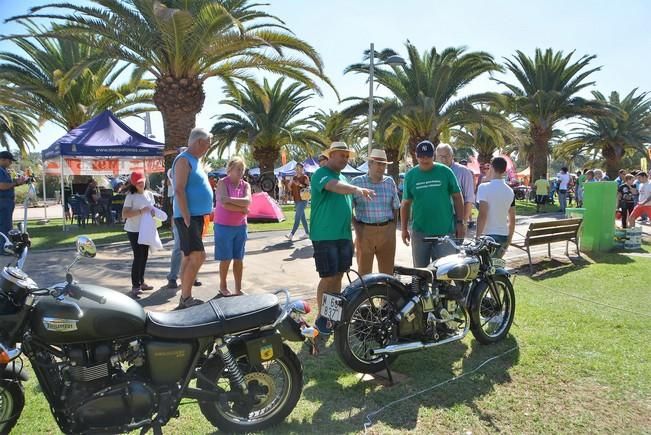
(496, 207)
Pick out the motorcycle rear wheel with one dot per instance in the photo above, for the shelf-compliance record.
(279, 383)
(12, 401)
(492, 312)
(368, 324)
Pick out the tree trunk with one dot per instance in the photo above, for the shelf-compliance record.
(393, 155)
(613, 154)
(484, 157)
(540, 151)
(179, 100)
(266, 156)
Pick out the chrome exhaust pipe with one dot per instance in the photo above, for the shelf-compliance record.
(413, 346)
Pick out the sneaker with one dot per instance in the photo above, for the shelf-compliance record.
(197, 283)
(188, 302)
(144, 286)
(289, 236)
(323, 325)
(135, 292)
(171, 283)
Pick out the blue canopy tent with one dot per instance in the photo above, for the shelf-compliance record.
(288, 169)
(349, 171)
(103, 145)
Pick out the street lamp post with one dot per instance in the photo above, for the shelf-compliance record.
(391, 60)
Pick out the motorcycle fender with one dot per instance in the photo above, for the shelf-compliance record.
(14, 371)
(290, 329)
(502, 272)
(480, 285)
(357, 286)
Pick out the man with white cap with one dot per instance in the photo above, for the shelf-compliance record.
(426, 196)
(375, 221)
(330, 221)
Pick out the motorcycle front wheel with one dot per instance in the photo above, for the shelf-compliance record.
(12, 401)
(367, 324)
(274, 389)
(492, 311)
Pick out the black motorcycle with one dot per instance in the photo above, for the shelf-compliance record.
(380, 316)
(106, 366)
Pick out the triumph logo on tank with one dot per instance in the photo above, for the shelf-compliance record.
(60, 325)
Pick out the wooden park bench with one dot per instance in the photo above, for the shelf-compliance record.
(548, 232)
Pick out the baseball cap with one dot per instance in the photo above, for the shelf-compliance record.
(136, 177)
(425, 149)
(7, 155)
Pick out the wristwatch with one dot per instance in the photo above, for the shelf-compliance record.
(460, 221)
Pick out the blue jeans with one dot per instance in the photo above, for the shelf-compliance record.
(502, 241)
(6, 215)
(177, 255)
(299, 217)
(562, 199)
(423, 253)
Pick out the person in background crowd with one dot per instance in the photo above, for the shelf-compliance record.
(299, 182)
(323, 160)
(375, 221)
(430, 190)
(7, 193)
(138, 202)
(580, 181)
(620, 178)
(541, 187)
(465, 178)
(497, 207)
(563, 185)
(589, 176)
(193, 199)
(626, 197)
(330, 217)
(599, 175)
(233, 200)
(644, 203)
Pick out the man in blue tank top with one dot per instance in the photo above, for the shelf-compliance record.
(192, 202)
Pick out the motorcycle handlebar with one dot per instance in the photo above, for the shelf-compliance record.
(77, 292)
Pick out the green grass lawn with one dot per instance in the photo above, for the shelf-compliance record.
(50, 235)
(578, 368)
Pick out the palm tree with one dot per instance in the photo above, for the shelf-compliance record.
(425, 90)
(487, 137)
(545, 93)
(39, 76)
(184, 43)
(16, 123)
(624, 129)
(266, 119)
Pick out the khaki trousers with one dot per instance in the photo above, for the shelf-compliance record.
(372, 241)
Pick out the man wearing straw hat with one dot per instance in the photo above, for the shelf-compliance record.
(375, 221)
(330, 221)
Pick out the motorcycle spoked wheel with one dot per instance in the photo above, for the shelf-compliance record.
(368, 323)
(492, 311)
(12, 401)
(276, 385)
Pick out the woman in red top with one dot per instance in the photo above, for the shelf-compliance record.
(233, 197)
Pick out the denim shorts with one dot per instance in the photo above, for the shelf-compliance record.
(423, 253)
(229, 242)
(502, 241)
(332, 256)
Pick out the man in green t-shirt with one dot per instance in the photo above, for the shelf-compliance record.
(541, 186)
(430, 190)
(330, 221)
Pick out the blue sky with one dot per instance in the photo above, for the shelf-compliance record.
(617, 32)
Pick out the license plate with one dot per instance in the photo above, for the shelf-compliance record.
(499, 262)
(332, 307)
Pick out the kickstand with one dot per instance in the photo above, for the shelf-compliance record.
(386, 367)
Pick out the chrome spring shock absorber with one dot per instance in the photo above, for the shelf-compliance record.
(415, 284)
(234, 373)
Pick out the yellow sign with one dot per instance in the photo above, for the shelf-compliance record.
(266, 352)
(643, 165)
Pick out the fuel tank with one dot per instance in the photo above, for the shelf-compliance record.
(456, 267)
(56, 322)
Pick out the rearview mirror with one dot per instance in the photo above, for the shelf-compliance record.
(86, 247)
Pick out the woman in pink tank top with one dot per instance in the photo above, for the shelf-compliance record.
(233, 196)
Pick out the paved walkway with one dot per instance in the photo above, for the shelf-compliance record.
(271, 262)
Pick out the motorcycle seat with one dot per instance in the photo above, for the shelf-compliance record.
(216, 317)
(424, 273)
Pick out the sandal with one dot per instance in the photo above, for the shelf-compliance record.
(144, 286)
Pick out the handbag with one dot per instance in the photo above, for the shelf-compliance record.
(305, 194)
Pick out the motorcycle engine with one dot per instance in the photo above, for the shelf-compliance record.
(101, 387)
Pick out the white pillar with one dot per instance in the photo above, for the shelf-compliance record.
(63, 197)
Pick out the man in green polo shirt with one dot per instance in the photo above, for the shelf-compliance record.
(430, 190)
(330, 222)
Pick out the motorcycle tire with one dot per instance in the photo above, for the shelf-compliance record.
(228, 420)
(12, 402)
(268, 183)
(519, 195)
(483, 306)
(358, 311)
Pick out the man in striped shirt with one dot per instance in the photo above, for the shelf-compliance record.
(375, 221)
